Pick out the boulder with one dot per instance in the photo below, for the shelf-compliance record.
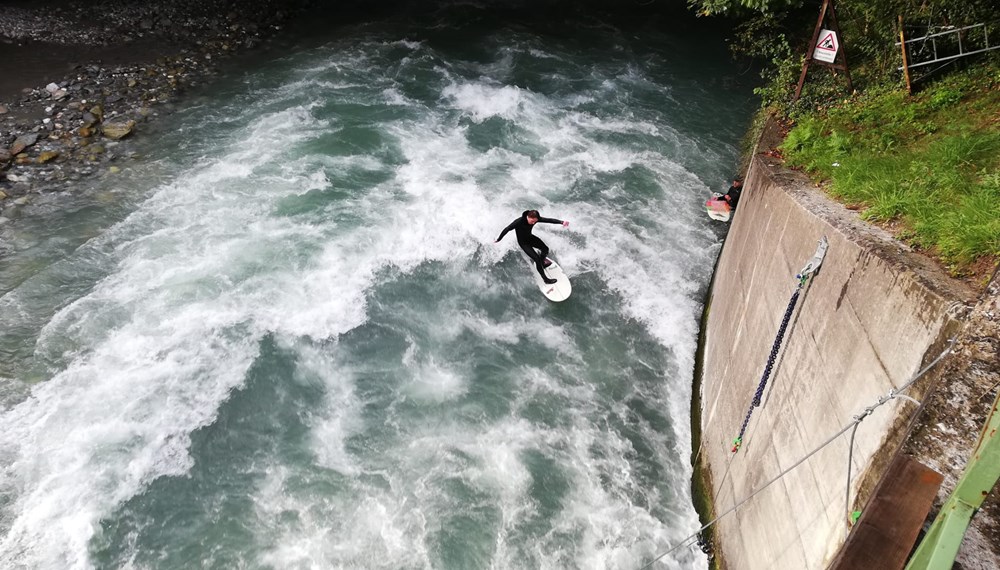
(47, 156)
(22, 142)
(118, 130)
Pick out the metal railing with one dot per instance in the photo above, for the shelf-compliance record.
(927, 49)
(935, 57)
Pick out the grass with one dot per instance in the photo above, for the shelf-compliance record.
(928, 165)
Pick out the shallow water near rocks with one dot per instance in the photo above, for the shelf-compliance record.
(286, 339)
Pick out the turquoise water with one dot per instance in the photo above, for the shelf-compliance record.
(285, 337)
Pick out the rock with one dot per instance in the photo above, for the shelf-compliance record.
(22, 201)
(4, 110)
(89, 119)
(97, 111)
(114, 170)
(52, 88)
(86, 131)
(22, 142)
(118, 129)
(47, 156)
(2, 195)
(61, 94)
(4, 156)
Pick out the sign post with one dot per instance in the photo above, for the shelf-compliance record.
(825, 48)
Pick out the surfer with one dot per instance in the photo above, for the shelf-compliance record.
(732, 197)
(522, 229)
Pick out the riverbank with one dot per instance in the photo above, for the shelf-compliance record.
(840, 341)
(78, 80)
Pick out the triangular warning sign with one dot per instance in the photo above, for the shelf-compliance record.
(827, 43)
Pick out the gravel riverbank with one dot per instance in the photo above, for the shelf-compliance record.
(78, 80)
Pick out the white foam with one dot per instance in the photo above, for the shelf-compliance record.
(394, 96)
(434, 382)
(482, 101)
(409, 44)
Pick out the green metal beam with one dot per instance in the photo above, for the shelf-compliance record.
(940, 545)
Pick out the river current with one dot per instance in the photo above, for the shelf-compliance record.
(285, 337)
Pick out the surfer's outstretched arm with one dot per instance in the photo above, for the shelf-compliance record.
(552, 221)
(508, 228)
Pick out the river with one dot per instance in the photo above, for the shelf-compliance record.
(285, 338)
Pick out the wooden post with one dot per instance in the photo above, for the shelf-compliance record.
(812, 43)
(842, 52)
(906, 63)
(840, 61)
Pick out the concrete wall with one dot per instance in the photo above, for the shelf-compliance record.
(867, 322)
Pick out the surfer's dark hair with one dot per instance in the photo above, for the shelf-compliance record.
(532, 214)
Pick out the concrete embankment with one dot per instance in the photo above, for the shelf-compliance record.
(865, 324)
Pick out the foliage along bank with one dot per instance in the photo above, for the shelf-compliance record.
(925, 166)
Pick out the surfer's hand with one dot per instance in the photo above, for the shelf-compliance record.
(565, 224)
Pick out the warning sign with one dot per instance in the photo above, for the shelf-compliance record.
(827, 46)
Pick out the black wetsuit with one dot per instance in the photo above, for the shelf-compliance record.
(528, 241)
(734, 195)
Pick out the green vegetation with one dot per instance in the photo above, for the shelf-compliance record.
(930, 162)
(925, 166)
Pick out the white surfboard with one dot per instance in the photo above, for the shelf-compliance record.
(558, 291)
(718, 209)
